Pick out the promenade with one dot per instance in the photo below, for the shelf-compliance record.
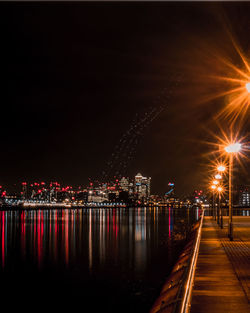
(222, 277)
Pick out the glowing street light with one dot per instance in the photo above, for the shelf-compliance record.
(220, 189)
(215, 182)
(218, 176)
(248, 87)
(221, 168)
(232, 149)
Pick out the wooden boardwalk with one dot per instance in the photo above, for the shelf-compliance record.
(222, 277)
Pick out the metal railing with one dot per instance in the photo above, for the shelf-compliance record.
(188, 285)
(176, 293)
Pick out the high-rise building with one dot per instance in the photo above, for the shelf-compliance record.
(244, 197)
(124, 184)
(142, 186)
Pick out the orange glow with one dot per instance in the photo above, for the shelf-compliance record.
(228, 81)
(226, 144)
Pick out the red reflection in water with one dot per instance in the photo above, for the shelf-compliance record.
(55, 235)
(74, 220)
(169, 222)
(116, 226)
(90, 240)
(3, 239)
(23, 232)
(39, 239)
(42, 225)
(67, 238)
(50, 233)
(108, 222)
(113, 219)
(35, 221)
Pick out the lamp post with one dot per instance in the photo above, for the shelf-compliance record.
(213, 187)
(215, 183)
(220, 168)
(231, 149)
(220, 189)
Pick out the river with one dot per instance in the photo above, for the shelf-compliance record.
(98, 260)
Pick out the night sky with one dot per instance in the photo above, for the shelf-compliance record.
(75, 77)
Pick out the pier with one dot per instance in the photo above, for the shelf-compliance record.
(222, 275)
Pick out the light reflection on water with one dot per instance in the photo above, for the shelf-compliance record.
(130, 249)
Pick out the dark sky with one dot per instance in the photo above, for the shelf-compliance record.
(75, 76)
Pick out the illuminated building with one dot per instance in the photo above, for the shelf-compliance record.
(244, 197)
(124, 184)
(24, 190)
(142, 187)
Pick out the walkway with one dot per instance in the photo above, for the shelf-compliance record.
(222, 277)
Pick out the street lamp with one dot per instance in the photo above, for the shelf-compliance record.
(231, 149)
(218, 176)
(220, 189)
(215, 182)
(221, 168)
(248, 87)
(213, 187)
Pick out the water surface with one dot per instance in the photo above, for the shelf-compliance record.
(98, 260)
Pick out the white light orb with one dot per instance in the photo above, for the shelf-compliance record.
(234, 147)
(248, 87)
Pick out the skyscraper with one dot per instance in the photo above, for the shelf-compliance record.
(142, 187)
(124, 184)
